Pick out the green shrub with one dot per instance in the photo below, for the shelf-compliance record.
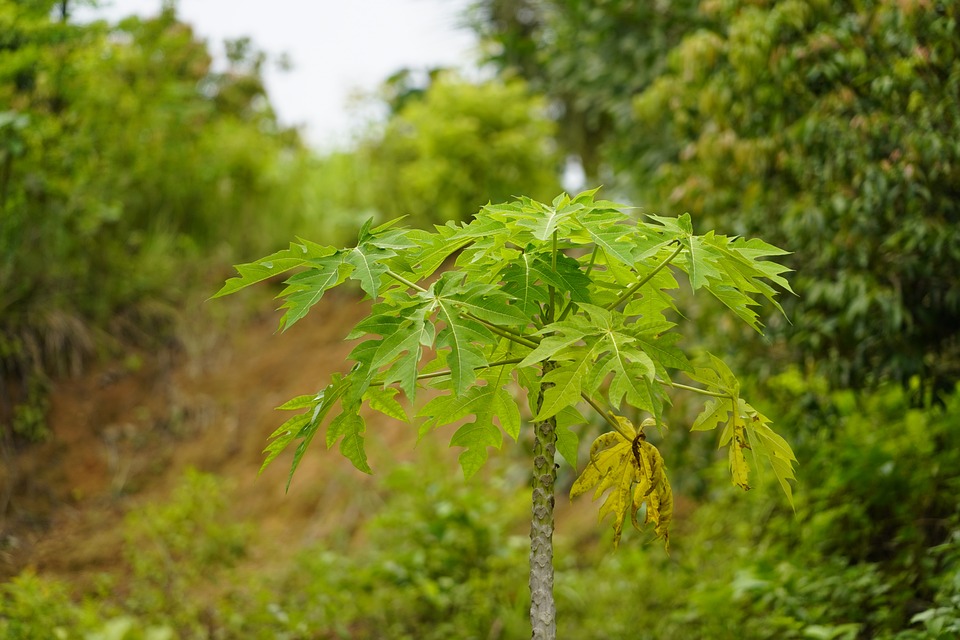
(437, 561)
(179, 549)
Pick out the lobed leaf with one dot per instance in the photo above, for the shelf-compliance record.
(306, 288)
(634, 473)
(298, 254)
(484, 402)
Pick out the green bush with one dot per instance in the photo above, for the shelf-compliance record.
(127, 164)
(178, 549)
(460, 146)
(831, 128)
(436, 562)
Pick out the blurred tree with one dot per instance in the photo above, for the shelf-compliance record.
(831, 127)
(453, 146)
(121, 152)
(590, 59)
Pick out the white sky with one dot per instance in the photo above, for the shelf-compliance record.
(338, 47)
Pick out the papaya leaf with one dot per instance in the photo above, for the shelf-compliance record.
(306, 288)
(303, 426)
(349, 427)
(542, 220)
(766, 443)
(462, 335)
(567, 277)
(608, 232)
(369, 264)
(564, 335)
(568, 442)
(488, 302)
(566, 382)
(662, 350)
(298, 254)
(432, 249)
(737, 442)
(715, 412)
(523, 284)
(485, 403)
(384, 401)
(634, 473)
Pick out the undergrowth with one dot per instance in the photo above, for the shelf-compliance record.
(872, 552)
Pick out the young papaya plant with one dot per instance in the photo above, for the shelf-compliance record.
(568, 301)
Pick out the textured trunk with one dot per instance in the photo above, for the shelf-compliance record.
(543, 611)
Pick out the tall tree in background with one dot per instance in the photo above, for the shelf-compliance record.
(833, 125)
(120, 138)
(590, 59)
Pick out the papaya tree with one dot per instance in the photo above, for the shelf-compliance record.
(569, 302)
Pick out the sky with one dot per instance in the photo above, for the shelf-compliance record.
(338, 48)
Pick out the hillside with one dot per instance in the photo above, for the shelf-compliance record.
(124, 433)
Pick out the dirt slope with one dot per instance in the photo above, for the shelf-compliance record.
(124, 433)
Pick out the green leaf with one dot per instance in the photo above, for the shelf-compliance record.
(280, 439)
(716, 375)
(522, 284)
(434, 248)
(404, 370)
(672, 228)
(350, 427)
(404, 343)
(567, 277)
(564, 335)
(739, 303)
(715, 412)
(543, 221)
(383, 400)
(631, 380)
(566, 381)
(697, 263)
(300, 402)
(568, 443)
(475, 437)
(306, 288)
(274, 264)
(607, 230)
(303, 426)
(462, 336)
(487, 302)
(662, 350)
(484, 402)
(766, 443)
(369, 264)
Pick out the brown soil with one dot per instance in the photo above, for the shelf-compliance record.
(123, 435)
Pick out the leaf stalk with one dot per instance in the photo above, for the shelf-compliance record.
(402, 280)
(686, 387)
(632, 290)
(446, 372)
(607, 415)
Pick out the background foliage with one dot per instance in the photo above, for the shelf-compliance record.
(454, 146)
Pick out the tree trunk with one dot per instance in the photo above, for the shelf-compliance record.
(543, 611)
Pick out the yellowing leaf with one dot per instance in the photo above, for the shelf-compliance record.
(739, 469)
(635, 475)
